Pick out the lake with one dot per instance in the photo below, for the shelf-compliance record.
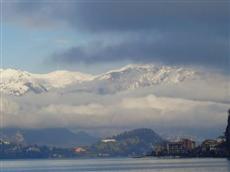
(117, 164)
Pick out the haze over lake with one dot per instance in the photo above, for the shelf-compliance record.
(118, 164)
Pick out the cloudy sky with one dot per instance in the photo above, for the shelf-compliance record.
(43, 35)
(94, 36)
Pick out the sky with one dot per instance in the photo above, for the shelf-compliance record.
(96, 35)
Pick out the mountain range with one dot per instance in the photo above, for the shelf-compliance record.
(134, 142)
(18, 82)
(58, 137)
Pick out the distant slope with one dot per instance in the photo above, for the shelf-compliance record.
(59, 137)
(131, 143)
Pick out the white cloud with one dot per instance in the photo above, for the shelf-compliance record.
(9, 107)
(116, 111)
(160, 103)
(90, 109)
(178, 111)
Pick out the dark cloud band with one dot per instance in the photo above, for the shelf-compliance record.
(193, 32)
(172, 48)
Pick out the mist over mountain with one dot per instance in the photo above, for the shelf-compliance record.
(134, 96)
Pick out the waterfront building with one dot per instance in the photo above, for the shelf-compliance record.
(180, 147)
(79, 150)
(209, 145)
(175, 148)
(188, 144)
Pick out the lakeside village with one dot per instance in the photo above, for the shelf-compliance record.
(219, 147)
(187, 148)
(130, 144)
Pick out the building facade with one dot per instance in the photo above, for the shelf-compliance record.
(180, 147)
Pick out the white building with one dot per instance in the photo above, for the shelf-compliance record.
(108, 140)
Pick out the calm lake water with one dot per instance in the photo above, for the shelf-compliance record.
(117, 164)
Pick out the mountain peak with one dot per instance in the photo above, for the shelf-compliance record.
(131, 67)
(9, 72)
(18, 82)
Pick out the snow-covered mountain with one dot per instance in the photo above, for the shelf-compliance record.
(18, 82)
(134, 76)
(130, 77)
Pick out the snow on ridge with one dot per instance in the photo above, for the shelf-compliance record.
(60, 79)
(18, 82)
(148, 71)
